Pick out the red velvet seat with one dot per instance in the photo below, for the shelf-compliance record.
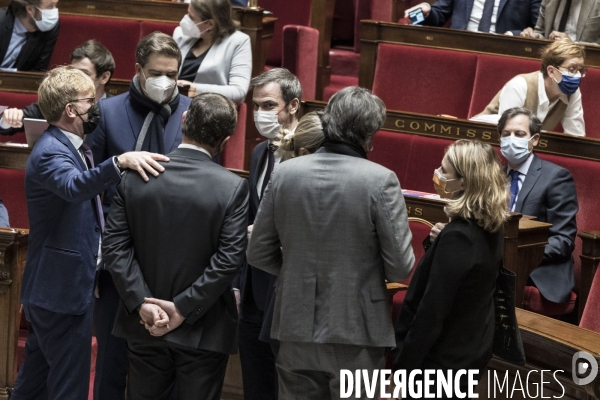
(120, 36)
(429, 81)
(12, 193)
(425, 155)
(491, 75)
(591, 102)
(233, 155)
(300, 55)
(392, 150)
(147, 27)
(16, 100)
(287, 13)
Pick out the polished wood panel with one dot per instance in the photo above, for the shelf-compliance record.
(374, 32)
(13, 252)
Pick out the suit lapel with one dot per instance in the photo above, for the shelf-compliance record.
(586, 9)
(61, 137)
(135, 120)
(500, 8)
(532, 176)
(29, 47)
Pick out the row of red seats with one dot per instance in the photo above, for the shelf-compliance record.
(458, 83)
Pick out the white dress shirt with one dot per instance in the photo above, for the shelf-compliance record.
(477, 13)
(17, 40)
(515, 91)
(194, 147)
(523, 169)
(571, 27)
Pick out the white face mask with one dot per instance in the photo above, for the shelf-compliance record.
(514, 149)
(267, 123)
(159, 88)
(189, 28)
(49, 19)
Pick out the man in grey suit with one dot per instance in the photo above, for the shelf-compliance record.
(173, 245)
(333, 227)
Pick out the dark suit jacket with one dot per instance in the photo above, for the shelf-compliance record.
(64, 229)
(548, 192)
(180, 237)
(37, 50)
(447, 318)
(513, 15)
(118, 130)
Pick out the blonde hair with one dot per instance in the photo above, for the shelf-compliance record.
(61, 86)
(308, 135)
(560, 51)
(485, 196)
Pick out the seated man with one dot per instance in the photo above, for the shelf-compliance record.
(92, 58)
(511, 16)
(62, 189)
(28, 33)
(560, 19)
(552, 93)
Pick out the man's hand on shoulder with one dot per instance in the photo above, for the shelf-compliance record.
(175, 317)
(142, 162)
(12, 118)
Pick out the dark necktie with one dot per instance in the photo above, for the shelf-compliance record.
(87, 152)
(270, 166)
(514, 187)
(486, 18)
(563, 19)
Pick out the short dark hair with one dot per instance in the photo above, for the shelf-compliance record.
(220, 12)
(210, 118)
(353, 114)
(98, 54)
(18, 6)
(535, 125)
(288, 83)
(157, 43)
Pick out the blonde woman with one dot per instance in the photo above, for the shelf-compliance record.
(447, 319)
(305, 140)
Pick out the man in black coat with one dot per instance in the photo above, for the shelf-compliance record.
(173, 246)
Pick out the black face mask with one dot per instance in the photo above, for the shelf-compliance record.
(93, 118)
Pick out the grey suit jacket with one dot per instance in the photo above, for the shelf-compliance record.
(548, 192)
(588, 24)
(342, 224)
(227, 67)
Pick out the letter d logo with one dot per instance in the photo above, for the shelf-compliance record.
(580, 367)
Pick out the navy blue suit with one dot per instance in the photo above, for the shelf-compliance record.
(117, 133)
(513, 15)
(58, 280)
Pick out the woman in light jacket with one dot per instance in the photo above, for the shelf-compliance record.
(217, 57)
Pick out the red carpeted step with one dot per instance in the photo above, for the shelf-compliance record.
(344, 61)
(336, 83)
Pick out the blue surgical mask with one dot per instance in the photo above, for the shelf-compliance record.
(514, 149)
(569, 84)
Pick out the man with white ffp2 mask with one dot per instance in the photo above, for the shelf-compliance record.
(31, 28)
(276, 96)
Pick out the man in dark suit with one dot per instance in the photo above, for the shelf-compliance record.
(28, 33)
(511, 16)
(178, 242)
(91, 58)
(148, 118)
(62, 188)
(333, 226)
(545, 190)
(276, 96)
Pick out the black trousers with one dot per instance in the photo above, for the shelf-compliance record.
(57, 356)
(111, 360)
(156, 368)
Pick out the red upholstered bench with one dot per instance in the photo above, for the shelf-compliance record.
(12, 193)
(591, 102)
(300, 55)
(425, 155)
(233, 155)
(423, 80)
(392, 150)
(120, 36)
(147, 27)
(16, 100)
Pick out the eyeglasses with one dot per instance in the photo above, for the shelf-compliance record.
(574, 69)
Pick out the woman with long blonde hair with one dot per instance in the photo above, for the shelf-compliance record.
(447, 318)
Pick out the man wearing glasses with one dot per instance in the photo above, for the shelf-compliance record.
(62, 188)
(552, 93)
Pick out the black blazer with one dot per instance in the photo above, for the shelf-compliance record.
(548, 192)
(179, 237)
(447, 318)
(37, 50)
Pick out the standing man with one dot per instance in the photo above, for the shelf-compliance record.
(178, 242)
(147, 118)
(276, 96)
(91, 58)
(333, 227)
(62, 187)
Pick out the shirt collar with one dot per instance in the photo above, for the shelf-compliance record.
(194, 147)
(523, 168)
(543, 97)
(19, 28)
(73, 138)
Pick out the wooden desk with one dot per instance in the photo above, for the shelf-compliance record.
(374, 32)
